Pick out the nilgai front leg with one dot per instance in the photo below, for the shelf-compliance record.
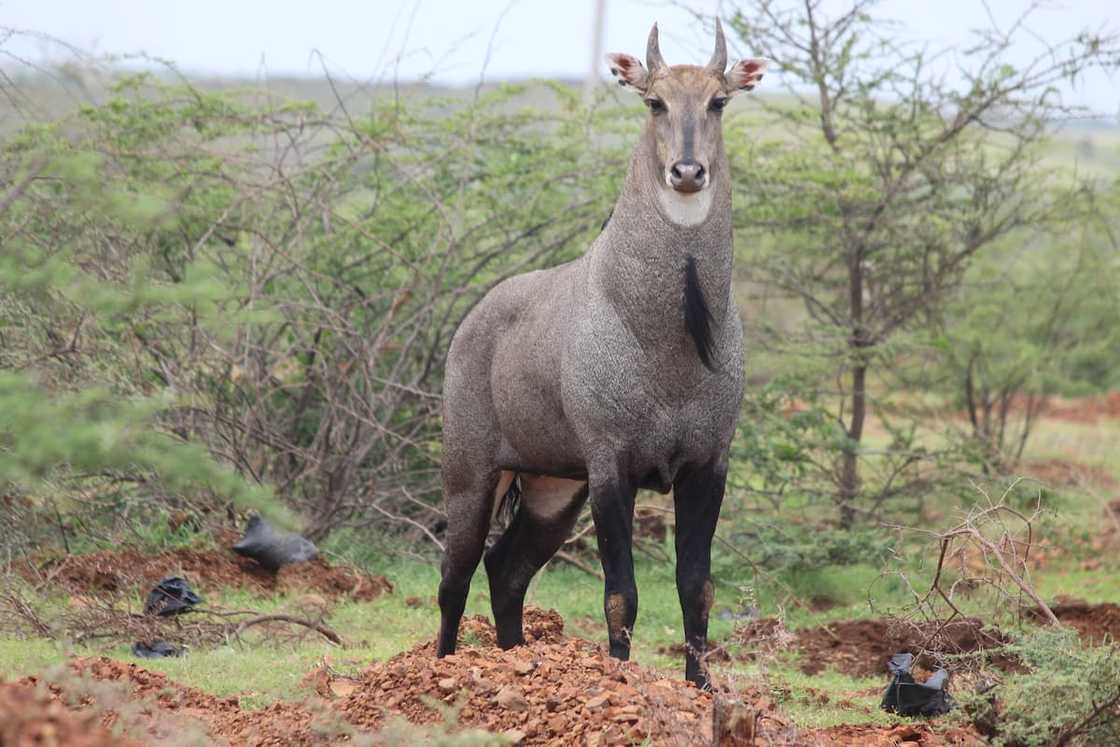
(697, 496)
(612, 507)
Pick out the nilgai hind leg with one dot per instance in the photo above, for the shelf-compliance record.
(547, 512)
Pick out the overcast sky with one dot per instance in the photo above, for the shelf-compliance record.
(377, 40)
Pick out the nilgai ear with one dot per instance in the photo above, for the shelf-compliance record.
(628, 72)
(745, 75)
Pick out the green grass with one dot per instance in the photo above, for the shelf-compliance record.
(828, 698)
(20, 657)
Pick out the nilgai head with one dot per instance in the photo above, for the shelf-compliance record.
(685, 105)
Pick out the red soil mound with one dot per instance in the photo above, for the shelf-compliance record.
(30, 718)
(544, 626)
(129, 569)
(862, 647)
(1094, 622)
(553, 691)
(222, 718)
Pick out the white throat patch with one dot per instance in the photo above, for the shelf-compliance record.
(686, 210)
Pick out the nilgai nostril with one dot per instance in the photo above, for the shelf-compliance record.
(687, 175)
(618, 371)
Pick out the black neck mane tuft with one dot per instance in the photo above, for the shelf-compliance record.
(697, 316)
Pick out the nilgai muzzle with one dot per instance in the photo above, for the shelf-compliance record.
(620, 370)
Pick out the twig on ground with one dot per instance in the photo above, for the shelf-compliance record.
(323, 630)
(573, 560)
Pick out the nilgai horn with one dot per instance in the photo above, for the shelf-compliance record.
(620, 370)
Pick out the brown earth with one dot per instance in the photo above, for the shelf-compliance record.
(30, 717)
(1094, 622)
(714, 654)
(1078, 410)
(1085, 409)
(1061, 473)
(163, 699)
(556, 690)
(911, 735)
(861, 648)
(127, 570)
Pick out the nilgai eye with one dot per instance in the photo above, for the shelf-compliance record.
(655, 105)
(717, 104)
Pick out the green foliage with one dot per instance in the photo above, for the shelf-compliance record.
(1069, 695)
(1052, 299)
(67, 411)
(224, 314)
(780, 436)
(869, 200)
(799, 548)
(91, 431)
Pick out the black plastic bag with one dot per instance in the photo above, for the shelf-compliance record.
(273, 549)
(156, 649)
(171, 596)
(906, 697)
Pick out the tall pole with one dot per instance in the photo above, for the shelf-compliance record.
(592, 80)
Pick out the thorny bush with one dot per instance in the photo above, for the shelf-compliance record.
(273, 285)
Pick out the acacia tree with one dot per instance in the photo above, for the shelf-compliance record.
(889, 175)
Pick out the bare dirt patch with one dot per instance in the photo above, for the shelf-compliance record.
(555, 690)
(861, 648)
(163, 699)
(1094, 622)
(1076, 410)
(1064, 473)
(539, 626)
(127, 570)
(1085, 409)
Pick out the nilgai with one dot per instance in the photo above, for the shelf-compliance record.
(617, 371)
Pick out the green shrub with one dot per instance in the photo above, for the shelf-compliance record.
(1070, 694)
